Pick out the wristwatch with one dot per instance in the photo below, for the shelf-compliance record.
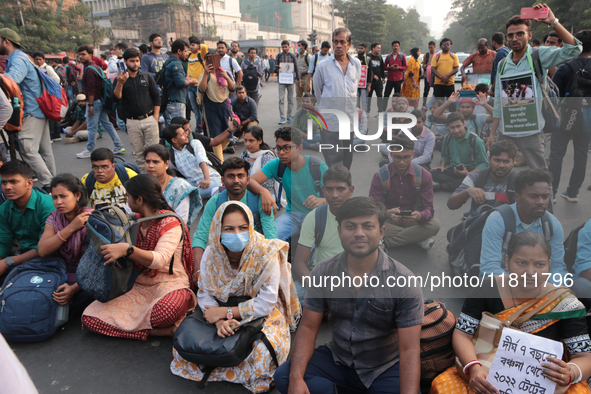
(10, 261)
(553, 25)
(229, 315)
(130, 251)
(90, 105)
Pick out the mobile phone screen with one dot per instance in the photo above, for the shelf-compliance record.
(531, 13)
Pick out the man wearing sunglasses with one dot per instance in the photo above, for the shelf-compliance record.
(521, 59)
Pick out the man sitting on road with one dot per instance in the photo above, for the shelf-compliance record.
(373, 329)
(406, 189)
(245, 108)
(296, 172)
(22, 215)
(79, 130)
(474, 122)
(492, 186)
(319, 233)
(532, 194)
(105, 184)
(425, 143)
(461, 153)
(235, 179)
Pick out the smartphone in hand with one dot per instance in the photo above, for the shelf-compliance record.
(532, 13)
(406, 213)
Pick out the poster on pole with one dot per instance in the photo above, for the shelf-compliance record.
(519, 104)
(517, 366)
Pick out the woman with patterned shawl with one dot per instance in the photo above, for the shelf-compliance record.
(158, 301)
(183, 198)
(562, 320)
(240, 262)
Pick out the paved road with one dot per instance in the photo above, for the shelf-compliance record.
(78, 361)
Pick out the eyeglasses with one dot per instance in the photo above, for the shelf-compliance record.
(337, 42)
(286, 148)
(519, 34)
(103, 168)
(446, 44)
(401, 158)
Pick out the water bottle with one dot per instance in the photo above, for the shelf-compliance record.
(15, 103)
(61, 317)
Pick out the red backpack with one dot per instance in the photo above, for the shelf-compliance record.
(14, 95)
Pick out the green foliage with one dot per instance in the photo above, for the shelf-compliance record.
(483, 18)
(47, 30)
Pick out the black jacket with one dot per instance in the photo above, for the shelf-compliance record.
(139, 96)
(377, 65)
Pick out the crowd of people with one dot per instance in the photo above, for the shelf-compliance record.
(256, 213)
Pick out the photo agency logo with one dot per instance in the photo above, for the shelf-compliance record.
(344, 125)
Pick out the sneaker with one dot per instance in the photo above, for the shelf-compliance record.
(570, 198)
(70, 140)
(437, 187)
(282, 121)
(230, 150)
(427, 244)
(85, 154)
(121, 149)
(289, 120)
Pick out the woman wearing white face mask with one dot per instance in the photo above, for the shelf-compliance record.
(239, 262)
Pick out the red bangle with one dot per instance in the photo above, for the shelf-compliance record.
(470, 364)
(570, 380)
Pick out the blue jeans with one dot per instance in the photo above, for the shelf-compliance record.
(196, 108)
(323, 375)
(206, 193)
(362, 98)
(120, 123)
(174, 109)
(289, 224)
(70, 93)
(100, 116)
(307, 143)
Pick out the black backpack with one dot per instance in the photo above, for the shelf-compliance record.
(465, 239)
(571, 244)
(160, 79)
(250, 79)
(216, 163)
(314, 165)
(576, 102)
(120, 170)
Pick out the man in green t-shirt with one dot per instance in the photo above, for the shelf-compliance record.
(297, 180)
(337, 189)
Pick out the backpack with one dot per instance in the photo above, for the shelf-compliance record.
(109, 100)
(437, 353)
(465, 239)
(576, 106)
(483, 177)
(111, 225)
(550, 92)
(402, 61)
(61, 72)
(384, 173)
(70, 75)
(120, 170)
(198, 342)
(216, 163)
(14, 95)
(252, 200)
(571, 243)
(315, 59)
(314, 165)
(430, 72)
(250, 79)
(53, 100)
(160, 78)
(471, 139)
(28, 312)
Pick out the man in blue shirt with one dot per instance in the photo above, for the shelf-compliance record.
(498, 44)
(235, 179)
(532, 194)
(34, 139)
(177, 81)
(153, 61)
(519, 60)
(297, 180)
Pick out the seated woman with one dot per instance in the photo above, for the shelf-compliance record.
(65, 236)
(528, 254)
(258, 153)
(238, 261)
(158, 301)
(183, 198)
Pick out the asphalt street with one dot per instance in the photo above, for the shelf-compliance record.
(78, 361)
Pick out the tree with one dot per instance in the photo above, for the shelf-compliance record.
(457, 34)
(405, 27)
(365, 19)
(48, 28)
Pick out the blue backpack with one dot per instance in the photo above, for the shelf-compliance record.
(28, 312)
(108, 100)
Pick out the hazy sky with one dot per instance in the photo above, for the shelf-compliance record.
(436, 9)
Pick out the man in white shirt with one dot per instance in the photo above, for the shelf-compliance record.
(39, 58)
(229, 64)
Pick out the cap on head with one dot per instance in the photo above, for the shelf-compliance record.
(11, 36)
(467, 100)
(81, 97)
